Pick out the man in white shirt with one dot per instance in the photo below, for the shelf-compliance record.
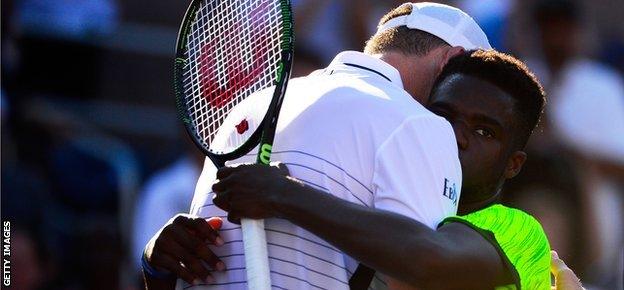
(346, 130)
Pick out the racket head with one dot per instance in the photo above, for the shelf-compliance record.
(225, 52)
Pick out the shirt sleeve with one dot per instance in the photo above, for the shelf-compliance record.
(417, 171)
(203, 189)
(520, 239)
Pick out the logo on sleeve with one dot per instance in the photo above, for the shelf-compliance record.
(450, 191)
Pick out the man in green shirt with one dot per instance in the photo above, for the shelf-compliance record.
(493, 103)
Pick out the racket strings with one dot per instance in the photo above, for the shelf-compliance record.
(231, 53)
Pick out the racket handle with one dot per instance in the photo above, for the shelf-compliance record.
(256, 255)
(179, 285)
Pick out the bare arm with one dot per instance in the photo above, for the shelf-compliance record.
(455, 257)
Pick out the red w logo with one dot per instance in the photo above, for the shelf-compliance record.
(239, 75)
(242, 127)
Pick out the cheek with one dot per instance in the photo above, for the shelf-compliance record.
(482, 161)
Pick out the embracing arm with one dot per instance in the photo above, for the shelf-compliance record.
(393, 244)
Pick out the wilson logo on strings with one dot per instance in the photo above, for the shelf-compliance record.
(227, 68)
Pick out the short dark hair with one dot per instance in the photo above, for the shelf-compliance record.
(510, 75)
(402, 39)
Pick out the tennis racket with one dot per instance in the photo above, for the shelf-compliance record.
(226, 51)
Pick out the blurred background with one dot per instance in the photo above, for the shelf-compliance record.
(94, 160)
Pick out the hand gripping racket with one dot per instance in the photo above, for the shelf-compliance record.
(226, 51)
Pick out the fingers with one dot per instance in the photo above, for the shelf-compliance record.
(190, 261)
(195, 243)
(234, 217)
(224, 172)
(250, 169)
(199, 227)
(210, 258)
(171, 264)
(249, 176)
(564, 276)
(283, 169)
(205, 231)
(219, 185)
(222, 200)
(215, 223)
(225, 183)
(556, 264)
(184, 238)
(181, 247)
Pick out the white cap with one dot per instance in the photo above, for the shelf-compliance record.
(446, 22)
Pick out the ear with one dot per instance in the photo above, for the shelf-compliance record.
(448, 54)
(515, 163)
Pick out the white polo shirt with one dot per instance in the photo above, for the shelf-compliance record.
(350, 130)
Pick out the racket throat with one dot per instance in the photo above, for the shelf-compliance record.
(264, 156)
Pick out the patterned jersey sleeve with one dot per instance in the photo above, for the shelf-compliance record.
(519, 238)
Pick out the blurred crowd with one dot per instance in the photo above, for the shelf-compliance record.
(94, 160)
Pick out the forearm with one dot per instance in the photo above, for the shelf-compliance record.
(393, 244)
(405, 250)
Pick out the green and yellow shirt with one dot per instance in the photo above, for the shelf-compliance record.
(519, 239)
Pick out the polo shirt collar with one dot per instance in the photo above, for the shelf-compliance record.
(365, 62)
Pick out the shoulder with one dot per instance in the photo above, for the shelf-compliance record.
(360, 94)
(520, 237)
(427, 138)
(424, 132)
(376, 108)
(511, 227)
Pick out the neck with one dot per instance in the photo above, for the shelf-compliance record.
(415, 73)
(469, 207)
